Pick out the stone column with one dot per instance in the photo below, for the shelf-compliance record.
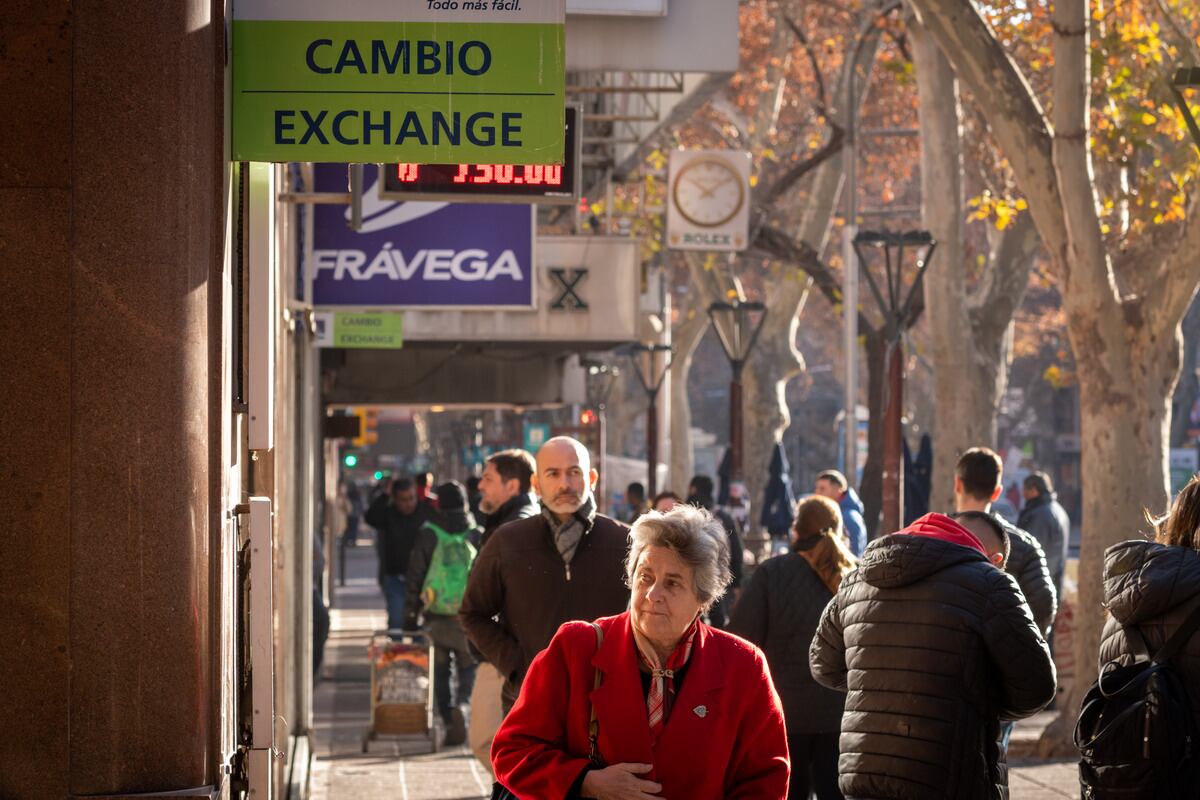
(111, 235)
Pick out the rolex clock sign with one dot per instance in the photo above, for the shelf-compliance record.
(708, 207)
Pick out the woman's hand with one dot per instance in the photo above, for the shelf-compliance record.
(618, 783)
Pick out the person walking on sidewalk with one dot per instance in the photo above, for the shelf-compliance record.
(535, 574)
(505, 490)
(1047, 522)
(833, 484)
(701, 495)
(437, 577)
(1153, 586)
(933, 645)
(678, 709)
(779, 611)
(978, 481)
(397, 515)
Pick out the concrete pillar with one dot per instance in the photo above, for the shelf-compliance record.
(111, 236)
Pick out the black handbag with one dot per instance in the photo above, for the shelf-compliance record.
(499, 792)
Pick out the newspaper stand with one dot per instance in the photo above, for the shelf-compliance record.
(402, 700)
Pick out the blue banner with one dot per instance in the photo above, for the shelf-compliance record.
(419, 254)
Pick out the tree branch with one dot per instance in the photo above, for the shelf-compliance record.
(778, 246)
(1006, 275)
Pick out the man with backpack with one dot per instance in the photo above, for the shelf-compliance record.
(437, 577)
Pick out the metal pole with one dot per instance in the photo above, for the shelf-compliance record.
(601, 456)
(735, 424)
(652, 445)
(850, 286)
(893, 448)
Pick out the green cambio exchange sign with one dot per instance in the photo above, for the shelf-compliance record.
(408, 92)
(379, 331)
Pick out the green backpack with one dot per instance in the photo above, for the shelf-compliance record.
(446, 579)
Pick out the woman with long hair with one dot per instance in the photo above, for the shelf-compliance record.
(779, 611)
(1150, 588)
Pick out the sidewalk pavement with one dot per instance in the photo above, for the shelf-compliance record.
(405, 768)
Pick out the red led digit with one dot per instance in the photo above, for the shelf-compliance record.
(554, 174)
(533, 174)
(485, 174)
(504, 173)
(461, 177)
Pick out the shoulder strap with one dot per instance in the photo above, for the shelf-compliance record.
(1180, 637)
(593, 723)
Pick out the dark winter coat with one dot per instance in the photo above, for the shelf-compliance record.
(1027, 563)
(718, 615)
(1152, 586)
(520, 576)
(779, 611)
(934, 646)
(520, 506)
(1047, 522)
(397, 532)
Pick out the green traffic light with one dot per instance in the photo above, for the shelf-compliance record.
(378, 474)
(350, 460)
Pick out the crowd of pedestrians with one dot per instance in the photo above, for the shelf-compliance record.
(624, 659)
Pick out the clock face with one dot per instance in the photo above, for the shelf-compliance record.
(708, 192)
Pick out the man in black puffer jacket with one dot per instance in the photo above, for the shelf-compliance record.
(978, 481)
(933, 645)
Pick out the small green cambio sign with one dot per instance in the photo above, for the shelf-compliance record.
(383, 330)
(400, 81)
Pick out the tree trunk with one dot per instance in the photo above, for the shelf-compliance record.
(774, 362)
(1123, 430)
(686, 337)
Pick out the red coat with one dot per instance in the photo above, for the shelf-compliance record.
(737, 749)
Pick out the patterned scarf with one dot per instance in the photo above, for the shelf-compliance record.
(662, 679)
(568, 535)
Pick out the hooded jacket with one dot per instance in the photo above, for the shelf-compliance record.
(933, 646)
(1027, 563)
(1153, 587)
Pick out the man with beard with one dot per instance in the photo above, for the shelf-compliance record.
(537, 573)
(504, 497)
(504, 490)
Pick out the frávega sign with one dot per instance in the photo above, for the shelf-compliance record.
(418, 81)
(419, 255)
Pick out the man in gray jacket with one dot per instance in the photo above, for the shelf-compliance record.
(1047, 522)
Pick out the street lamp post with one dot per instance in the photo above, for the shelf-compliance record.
(651, 372)
(601, 378)
(738, 324)
(895, 307)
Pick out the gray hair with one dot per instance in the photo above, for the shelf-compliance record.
(698, 538)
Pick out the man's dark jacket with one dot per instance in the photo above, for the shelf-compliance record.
(934, 646)
(520, 576)
(1047, 522)
(520, 506)
(779, 610)
(397, 533)
(1152, 587)
(1027, 563)
(718, 615)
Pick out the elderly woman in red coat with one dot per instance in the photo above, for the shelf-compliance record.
(684, 711)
